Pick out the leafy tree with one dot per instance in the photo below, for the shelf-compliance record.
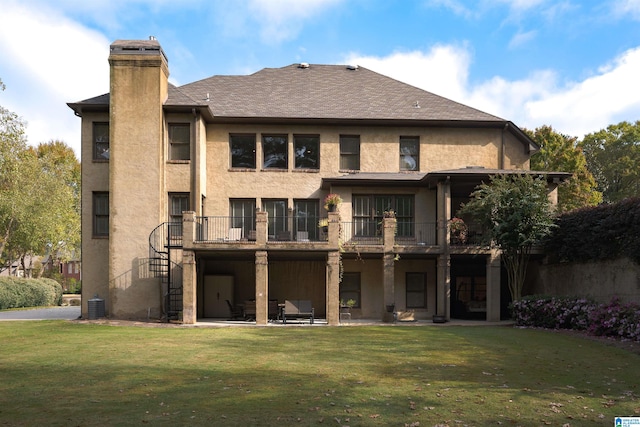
(39, 195)
(516, 214)
(613, 156)
(13, 207)
(560, 152)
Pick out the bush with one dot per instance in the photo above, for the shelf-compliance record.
(613, 319)
(617, 320)
(553, 312)
(17, 292)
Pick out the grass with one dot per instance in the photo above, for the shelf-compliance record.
(62, 373)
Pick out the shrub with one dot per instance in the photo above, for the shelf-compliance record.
(612, 319)
(17, 292)
(553, 312)
(616, 319)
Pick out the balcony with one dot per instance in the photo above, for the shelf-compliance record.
(302, 233)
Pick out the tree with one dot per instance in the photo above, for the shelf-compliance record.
(613, 156)
(39, 194)
(560, 152)
(516, 213)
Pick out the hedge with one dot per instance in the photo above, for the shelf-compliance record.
(17, 292)
(614, 319)
(597, 233)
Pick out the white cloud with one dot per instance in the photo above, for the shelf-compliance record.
(60, 62)
(443, 70)
(627, 8)
(607, 97)
(522, 38)
(282, 20)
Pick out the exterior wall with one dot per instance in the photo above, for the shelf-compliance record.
(440, 149)
(515, 155)
(600, 280)
(95, 250)
(427, 266)
(136, 178)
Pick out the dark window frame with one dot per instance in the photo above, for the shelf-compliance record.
(370, 223)
(234, 160)
(268, 150)
(423, 291)
(406, 152)
(100, 214)
(100, 146)
(356, 292)
(177, 150)
(311, 161)
(350, 149)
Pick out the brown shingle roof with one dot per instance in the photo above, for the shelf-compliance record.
(322, 92)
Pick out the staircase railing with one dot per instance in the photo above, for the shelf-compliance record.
(164, 241)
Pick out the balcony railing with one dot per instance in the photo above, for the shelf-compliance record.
(361, 232)
(294, 229)
(416, 234)
(225, 229)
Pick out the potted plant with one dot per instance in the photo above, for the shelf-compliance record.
(323, 224)
(332, 201)
(458, 230)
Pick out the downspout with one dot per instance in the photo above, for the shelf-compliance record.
(502, 148)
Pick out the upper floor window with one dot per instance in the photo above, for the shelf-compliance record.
(274, 151)
(179, 141)
(243, 151)
(349, 152)
(409, 153)
(100, 214)
(101, 141)
(306, 149)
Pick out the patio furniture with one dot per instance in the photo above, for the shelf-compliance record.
(297, 309)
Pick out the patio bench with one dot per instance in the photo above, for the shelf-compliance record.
(297, 309)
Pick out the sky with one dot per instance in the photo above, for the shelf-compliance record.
(573, 65)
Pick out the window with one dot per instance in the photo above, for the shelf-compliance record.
(416, 290)
(243, 215)
(306, 149)
(179, 141)
(100, 214)
(243, 151)
(101, 141)
(368, 213)
(274, 151)
(178, 203)
(409, 153)
(277, 214)
(306, 218)
(350, 288)
(349, 152)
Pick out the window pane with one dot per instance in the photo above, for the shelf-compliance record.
(409, 153)
(307, 151)
(306, 217)
(274, 148)
(277, 214)
(350, 288)
(416, 290)
(243, 151)
(179, 141)
(100, 214)
(243, 215)
(101, 141)
(350, 152)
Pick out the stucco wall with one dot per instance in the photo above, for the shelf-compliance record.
(599, 280)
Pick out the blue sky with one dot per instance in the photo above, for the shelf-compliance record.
(574, 65)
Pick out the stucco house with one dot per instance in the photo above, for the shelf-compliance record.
(214, 191)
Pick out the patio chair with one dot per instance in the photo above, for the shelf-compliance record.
(234, 312)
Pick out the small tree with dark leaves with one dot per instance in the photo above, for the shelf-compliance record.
(516, 214)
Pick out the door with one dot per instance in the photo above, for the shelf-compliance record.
(217, 290)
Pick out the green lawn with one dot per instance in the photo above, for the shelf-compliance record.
(76, 374)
